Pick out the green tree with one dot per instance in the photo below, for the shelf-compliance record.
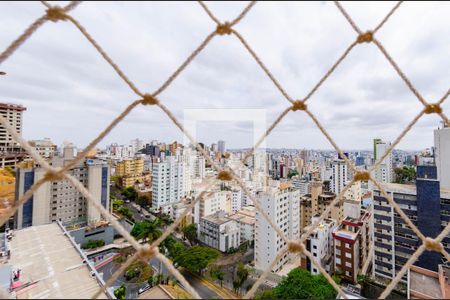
(142, 200)
(91, 244)
(405, 174)
(300, 284)
(292, 173)
(120, 292)
(165, 219)
(125, 211)
(149, 230)
(129, 193)
(197, 258)
(241, 276)
(116, 204)
(190, 233)
(217, 274)
(265, 294)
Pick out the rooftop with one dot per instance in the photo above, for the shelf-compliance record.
(217, 218)
(408, 189)
(424, 284)
(343, 233)
(52, 272)
(13, 106)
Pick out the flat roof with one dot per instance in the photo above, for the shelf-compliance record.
(48, 259)
(346, 234)
(424, 284)
(407, 189)
(243, 218)
(217, 218)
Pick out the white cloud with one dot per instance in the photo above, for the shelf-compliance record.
(72, 93)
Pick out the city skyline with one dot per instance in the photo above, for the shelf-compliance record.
(73, 95)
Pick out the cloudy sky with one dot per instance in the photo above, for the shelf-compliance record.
(71, 93)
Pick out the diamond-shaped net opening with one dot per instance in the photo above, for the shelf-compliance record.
(145, 252)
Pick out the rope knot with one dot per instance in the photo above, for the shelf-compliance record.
(224, 28)
(432, 245)
(146, 252)
(224, 175)
(365, 37)
(298, 105)
(294, 246)
(433, 108)
(56, 13)
(53, 175)
(362, 176)
(148, 99)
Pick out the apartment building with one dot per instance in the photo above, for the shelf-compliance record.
(219, 232)
(281, 203)
(10, 151)
(316, 202)
(60, 200)
(320, 244)
(246, 221)
(167, 183)
(339, 177)
(385, 172)
(130, 172)
(213, 202)
(346, 251)
(428, 207)
(45, 147)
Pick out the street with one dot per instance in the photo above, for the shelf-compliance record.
(132, 289)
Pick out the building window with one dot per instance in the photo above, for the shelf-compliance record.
(348, 255)
(348, 264)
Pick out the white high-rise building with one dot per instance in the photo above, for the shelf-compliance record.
(339, 176)
(321, 246)
(236, 196)
(385, 172)
(211, 203)
(168, 183)
(282, 204)
(137, 144)
(442, 155)
(221, 146)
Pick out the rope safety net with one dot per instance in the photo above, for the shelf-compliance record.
(296, 105)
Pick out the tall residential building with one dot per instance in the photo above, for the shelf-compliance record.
(60, 200)
(236, 202)
(352, 241)
(46, 148)
(221, 146)
(385, 172)
(442, 155)
(282, 205)
(152, 150)
(428, 207)
(130, 172)
(316, 202)
(137, 144)
(10, 151)
(213, 202)
(168, 183)
(320, 244)
(339, 177)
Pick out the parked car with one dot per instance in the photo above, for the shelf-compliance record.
(144, 288)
